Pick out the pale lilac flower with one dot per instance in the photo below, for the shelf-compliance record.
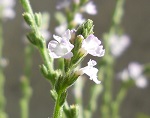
(90, 8)
(134, 72)
(7, 9)
(60, 30)
(3, 62)
(63, 4)
(91, 71)
(141, 82)
(92, 45)
(61, 47)
(78, 19)
(118, 44)
(135, 69)
(76, 1)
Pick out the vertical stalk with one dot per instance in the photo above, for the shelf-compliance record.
(25, 82)
(2, 78)
(91, 108)
(108, 68)
(57, 109)
(78, 89)
(107, 95)
(116, 104)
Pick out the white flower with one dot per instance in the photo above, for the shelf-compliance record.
(135, 69)
(118, 44)
(134, 72)
(141, 82)
(90, 8)
(3, 62)
(7, 8)
(61, 47)
(78, 19)
(92, 46)
(91, 71)
(76, 1)
(63, 4)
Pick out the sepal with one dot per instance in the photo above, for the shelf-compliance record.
(63, 98)
(38, 19)
(28, 18)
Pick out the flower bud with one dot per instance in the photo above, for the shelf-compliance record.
(86, 28)
(44, 70)
(38, 19)
(28, 18)
(74, 110)
(32, 38)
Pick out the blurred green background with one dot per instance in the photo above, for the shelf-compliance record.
(136, 23)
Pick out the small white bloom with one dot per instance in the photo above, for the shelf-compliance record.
(91, 71)
(141, 82)
(3, 62)
(118, 44)
(61, 47)
(76, 1)
(134, 72)
(63, 4)
(79, 19)
(90, 8)
(92, 45)
(135, 69)
(7, 9)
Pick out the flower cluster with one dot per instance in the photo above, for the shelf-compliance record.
(89, 8)
(7, 9)
(134, 71)
(61, 48)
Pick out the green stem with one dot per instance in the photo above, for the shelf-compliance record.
(26, 5)
(2, 97)
(43, 50)
(78, 88)
(116, 104)
(95, 92)
(1, 39)
(58, 109)
(2, 78)
(107, 95)
(25, 83)
(108, 68)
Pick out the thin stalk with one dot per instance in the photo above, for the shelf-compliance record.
(78, 89)
(2, 78)
(117, 103)
(44, 52)
(95, 92)
(108, 68)
(25, 83)
(57, 109)
(107, 95)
